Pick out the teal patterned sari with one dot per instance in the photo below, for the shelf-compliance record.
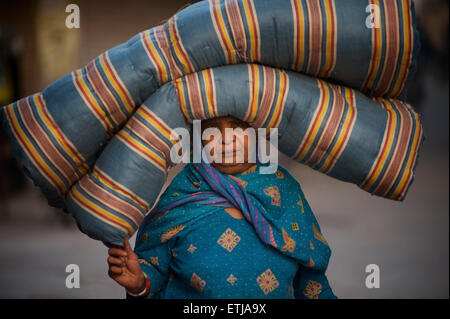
(273, 204)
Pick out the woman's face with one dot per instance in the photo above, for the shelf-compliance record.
(236, 149)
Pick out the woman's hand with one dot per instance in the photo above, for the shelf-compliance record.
(124, 268)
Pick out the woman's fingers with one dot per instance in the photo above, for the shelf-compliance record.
(114, 261)
(127, 246)
(117, 252)
(130, 253)
(117, 259)
(114, 271)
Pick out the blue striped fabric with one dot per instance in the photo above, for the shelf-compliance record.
(81, 139)
(333, 129)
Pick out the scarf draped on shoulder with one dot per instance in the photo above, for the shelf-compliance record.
(274, 204)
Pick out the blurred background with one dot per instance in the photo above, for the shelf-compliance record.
(408, 240)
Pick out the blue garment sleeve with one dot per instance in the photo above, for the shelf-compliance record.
(155, 262)
(311, 284)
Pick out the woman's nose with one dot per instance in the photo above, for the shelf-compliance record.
(227, 137)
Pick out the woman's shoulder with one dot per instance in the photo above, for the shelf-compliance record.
(286, 175)
(277, 175)
(178, 185)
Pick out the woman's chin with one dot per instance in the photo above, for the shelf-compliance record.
(231, 168)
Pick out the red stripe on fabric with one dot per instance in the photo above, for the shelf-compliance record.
(401, 149)
(107, 63)
(105, 95)
(80, 160)
(144, 132)
(30, 153)
(92, 107)
(315, 120)
(160, 71)
(331, 127)
(41, 137)
(117, 186)
(346, 132)
(156, 120)
(216, 7)
(383, 148)
(408, 179)
(268, 96)
(122, 207)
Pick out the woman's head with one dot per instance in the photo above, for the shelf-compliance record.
(236, 149)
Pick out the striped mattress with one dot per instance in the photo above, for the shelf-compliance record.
(97, 140)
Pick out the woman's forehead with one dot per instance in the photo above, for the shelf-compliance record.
(222, 120)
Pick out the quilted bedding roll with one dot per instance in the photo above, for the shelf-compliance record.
(78, 138)
(326, 38)
(372, 143)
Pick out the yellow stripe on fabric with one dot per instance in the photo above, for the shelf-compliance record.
(208, 79)
(330, 50)
(113, 79)
(182, 99)
(299, 34)
(100, 213)
(330, 127)
(119, 188)
(407, 52)
(177, 45)
(143, 150)
(222, 32)
(254, 85)
(237, 29)
(100, 90)
(156, 59)
(344, 135)
(145, 133)
(375, 62)
(386, 146)
(62, 140)
(33, 155)
(156, 122)
(390, 56)
(163, 41)
(279, 104)
(40, 137)
(252, 23)
(400, 150)
(318, 118)
(195, 96)
(91, 102)
(153, 135)
(316, 34)
(108, 204)
(407, 175)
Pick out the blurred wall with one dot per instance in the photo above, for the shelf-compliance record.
(103, 25)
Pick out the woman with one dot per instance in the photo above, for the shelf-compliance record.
(224, 230)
